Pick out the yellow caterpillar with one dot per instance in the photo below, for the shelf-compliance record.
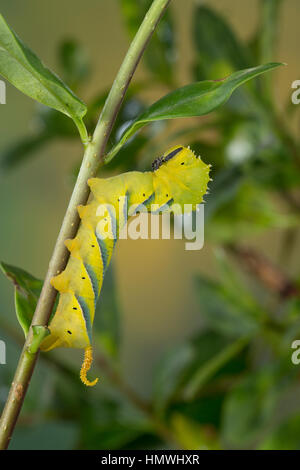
(177, 177)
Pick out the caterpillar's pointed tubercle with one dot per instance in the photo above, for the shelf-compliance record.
(72, 244)
(87, 362)
(82, 211)
(61, 282)
(93, 182)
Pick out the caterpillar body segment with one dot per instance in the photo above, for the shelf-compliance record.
(178, 177)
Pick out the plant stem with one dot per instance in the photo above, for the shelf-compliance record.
(90, 165)
(212, 366)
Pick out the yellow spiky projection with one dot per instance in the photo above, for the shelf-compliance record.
(178, 177)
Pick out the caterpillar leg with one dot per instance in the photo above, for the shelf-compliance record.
(86, 365)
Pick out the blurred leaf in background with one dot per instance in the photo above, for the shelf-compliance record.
(219, 50)
(74, 63)
(160, 56)
(27, 291)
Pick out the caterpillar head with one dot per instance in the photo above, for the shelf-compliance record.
(184, 175)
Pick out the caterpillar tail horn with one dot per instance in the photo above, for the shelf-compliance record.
(86, 365)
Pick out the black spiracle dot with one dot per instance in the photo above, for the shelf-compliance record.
(74, 308)
(70, 332)
(93, 246)
(167, 195)
(144, 194)
(182, 163)
(83, 278)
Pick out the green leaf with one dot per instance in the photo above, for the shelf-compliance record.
(170, 372)
(160, 54)
(268, 39)
(210, 367)
(225, 311)
(74, 63)
(192, 100)
(251, 408)
(186, 369)
(218, 50)
(191, 435)
(27, 291)
(116, 435)
(21, 67)
(270, 10)
(285, 437)
(205, 409)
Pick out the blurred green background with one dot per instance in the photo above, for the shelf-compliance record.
(194, 351)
